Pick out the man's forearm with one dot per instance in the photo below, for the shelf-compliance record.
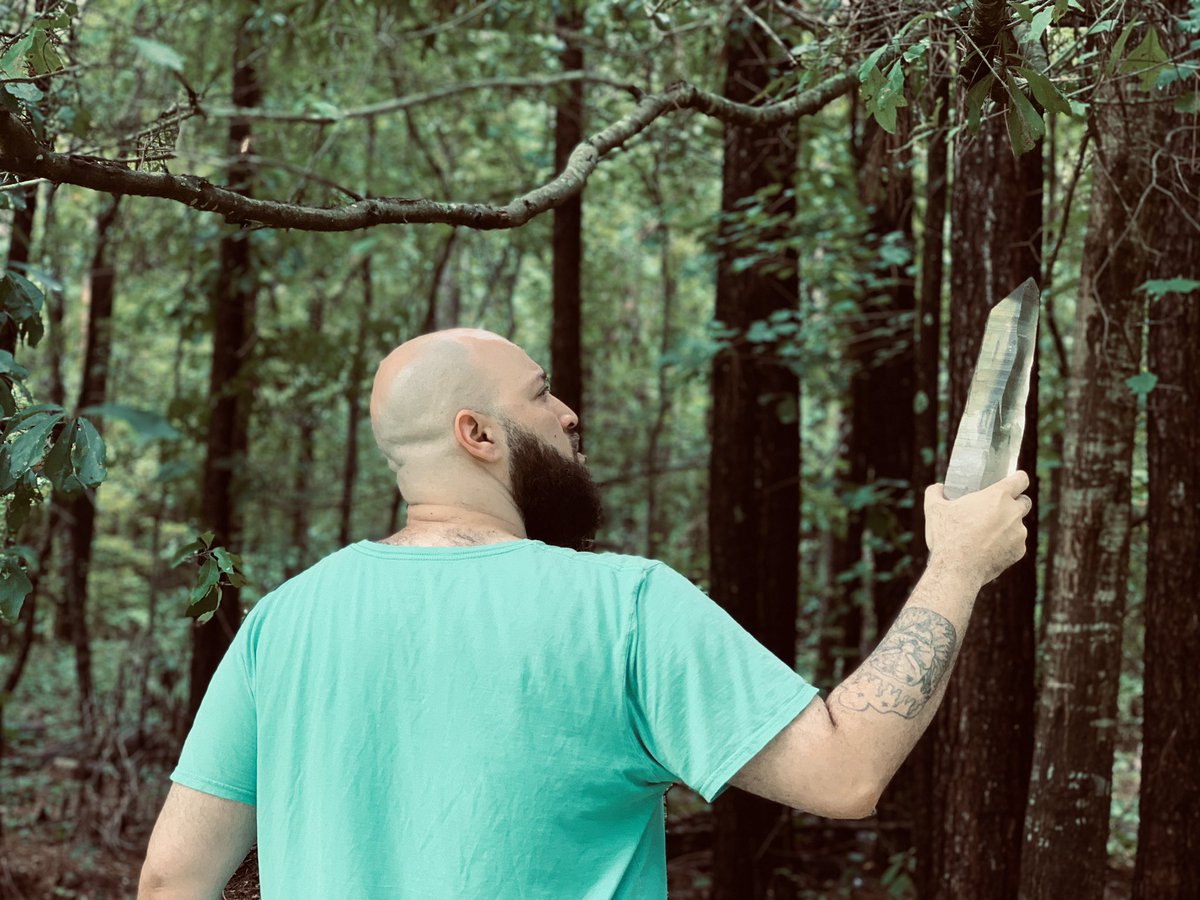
(883, 708)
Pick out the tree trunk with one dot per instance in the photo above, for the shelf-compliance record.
(306, 458)
(566, 368)
(982, 736)
(233, 304)
(882, 400)
(354, 390)
(78, 512)
(754, 504)
(656, 459)
(926, 445)
(17, 259)
(1066, 830)
(1168, 839)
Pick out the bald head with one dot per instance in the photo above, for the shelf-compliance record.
(421, 387)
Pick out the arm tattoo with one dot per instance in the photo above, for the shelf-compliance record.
(905, 669)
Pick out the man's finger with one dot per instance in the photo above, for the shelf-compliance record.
(934, 493)
(1028, 505)
(1016, 483)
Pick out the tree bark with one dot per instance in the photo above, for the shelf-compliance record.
(926, 445)
(982, 736)
(882, 400)
(1168, 840)
(233, 304)
(566, 362)
(78, 512)
(1066, 829)
(354, 391)
(754, 503)
(17, 259)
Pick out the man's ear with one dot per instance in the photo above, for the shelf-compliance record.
(478, 434)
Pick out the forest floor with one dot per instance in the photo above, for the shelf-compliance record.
(74, 819)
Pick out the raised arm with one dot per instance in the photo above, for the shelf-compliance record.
(198, 842)
(837, 756)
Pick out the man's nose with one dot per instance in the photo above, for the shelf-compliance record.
(568, 419)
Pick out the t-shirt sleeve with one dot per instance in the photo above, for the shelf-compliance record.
(220, 755)
(704, 696)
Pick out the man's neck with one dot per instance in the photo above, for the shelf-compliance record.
(438, 526)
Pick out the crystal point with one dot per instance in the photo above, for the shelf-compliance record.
(989, 432)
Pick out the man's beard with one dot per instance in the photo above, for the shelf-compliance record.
(558, 501)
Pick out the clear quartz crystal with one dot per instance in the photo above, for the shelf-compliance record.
(989, 433)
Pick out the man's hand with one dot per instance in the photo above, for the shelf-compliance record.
(981, 534)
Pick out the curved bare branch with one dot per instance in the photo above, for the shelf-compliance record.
(22, 154)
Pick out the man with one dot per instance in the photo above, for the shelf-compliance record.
(467, 710)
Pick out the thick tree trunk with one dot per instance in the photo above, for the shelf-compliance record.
(233, 304)
(982, 736)
(566, 364)
(754, 504)
(926, 445)
(1066, 830)
(882, 400)
(78, 512)
(1168, 839)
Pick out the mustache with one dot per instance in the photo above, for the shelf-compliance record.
(576, 440)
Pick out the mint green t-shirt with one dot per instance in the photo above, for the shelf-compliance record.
(494, 722)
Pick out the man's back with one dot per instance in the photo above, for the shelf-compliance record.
(497, 720)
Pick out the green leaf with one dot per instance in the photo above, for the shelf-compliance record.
(25, 495)
(22, 301)
(1045, 91)
(158, 54)
(224, 563)
(1160, 287)
(870, 62)
(58, 467)
(1024, 13)
(1039, 25)
(1147, 60)
(147, 425)
(23, 90)
(202, 610)
(186, 552)
(1114, 55)
(9, 366)
(10, 62)
(1188, 104)
(975, 97)
(87, 455)
(14, 588)
(28, 448)
(208, 575)
(1142, 384)
(43, 58)
(1025, 125)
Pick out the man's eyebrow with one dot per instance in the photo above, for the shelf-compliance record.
(541, 376)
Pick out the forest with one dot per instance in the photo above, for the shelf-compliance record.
(754, 242)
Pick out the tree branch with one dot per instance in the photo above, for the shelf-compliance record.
(22, 154)
(396, 104)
